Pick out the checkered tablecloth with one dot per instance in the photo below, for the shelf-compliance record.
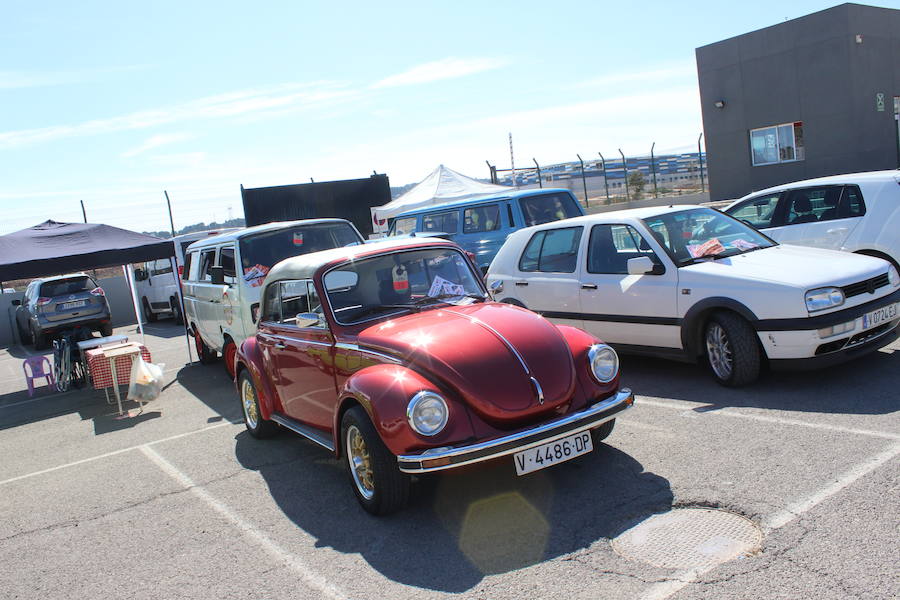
(101, 375)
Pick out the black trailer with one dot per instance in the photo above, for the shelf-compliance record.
(348, 199)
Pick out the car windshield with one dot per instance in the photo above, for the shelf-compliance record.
(405, 280)
(704, 234)
(61, 287)
(262, 251)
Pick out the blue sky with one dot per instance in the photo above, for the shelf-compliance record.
(112, 103)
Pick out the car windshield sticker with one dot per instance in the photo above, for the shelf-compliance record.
(710, 248)
(400, 277)
(255, 274)
(742, 244)
(298, 238)
(441, 286)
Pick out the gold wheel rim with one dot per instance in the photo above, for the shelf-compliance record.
(360, 463)
(248, 400)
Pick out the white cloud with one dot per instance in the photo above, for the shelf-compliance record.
(232, 104)
(446, 68)
(156, 141)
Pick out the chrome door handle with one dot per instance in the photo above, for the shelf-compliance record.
(589, 286)
(836, 230)
(521, 283)
(280, 345)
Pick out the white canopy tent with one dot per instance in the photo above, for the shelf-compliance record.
(441, 186)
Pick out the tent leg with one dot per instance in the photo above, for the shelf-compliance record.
(129, 277)
(187, 335)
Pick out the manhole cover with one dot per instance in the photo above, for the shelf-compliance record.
(689, 538)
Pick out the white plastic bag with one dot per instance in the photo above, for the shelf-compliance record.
(145, 383)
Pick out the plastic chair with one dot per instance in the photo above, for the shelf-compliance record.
(40, 367)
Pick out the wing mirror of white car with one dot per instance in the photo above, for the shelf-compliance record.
(496, 287)
(309, 319)
(642, 265)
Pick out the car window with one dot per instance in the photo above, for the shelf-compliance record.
(445, 222)
(809, 205)
(226, 260)
(207, 260)
(403, 226)
(61, 287)
(851, 204)
(161, 267)
(611, 246)
(271, 306)
(481, 218)
(294, 300)
(186, 271)
(552, 251)
(545, 208)
(757, 211)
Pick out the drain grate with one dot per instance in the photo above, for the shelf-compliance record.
(689, 538)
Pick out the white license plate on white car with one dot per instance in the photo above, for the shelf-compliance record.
(76, 304)
(880, 316)
(552, 453)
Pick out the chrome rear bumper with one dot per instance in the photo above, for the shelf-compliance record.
(449, 458)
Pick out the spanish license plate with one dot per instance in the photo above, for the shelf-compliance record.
(76, 304)
(880, 316)
(551, 453)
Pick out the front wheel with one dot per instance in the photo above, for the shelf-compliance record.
(380, 487)
(256, 425)
(732, 350)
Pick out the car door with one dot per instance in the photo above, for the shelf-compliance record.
(208, 300)
(302, 355)
(547, 280)
(844, 207)
(796, 220)
(623, 309)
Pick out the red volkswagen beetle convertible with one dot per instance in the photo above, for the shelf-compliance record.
(392, 356)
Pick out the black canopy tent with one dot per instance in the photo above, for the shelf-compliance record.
(52, 247)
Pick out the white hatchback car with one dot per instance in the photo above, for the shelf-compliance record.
(689, 282)
(858, 212)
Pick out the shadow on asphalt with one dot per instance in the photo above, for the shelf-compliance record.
(211, 385)
(460, 527)
(867, 385)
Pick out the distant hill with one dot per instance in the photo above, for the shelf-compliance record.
(198, 227)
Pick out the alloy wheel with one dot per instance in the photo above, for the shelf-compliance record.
(248, 401)
(718, 349)
(360, 463)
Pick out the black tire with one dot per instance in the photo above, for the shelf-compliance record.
(598, 434)
(389, 486)
(176, 311)
(24, 335)
(206, 354)
(149, 315)
(257, 426)
(39, 339)
(106, 329)
(732, 350)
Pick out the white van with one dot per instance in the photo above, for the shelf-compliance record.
(223, 275)
(156, 284)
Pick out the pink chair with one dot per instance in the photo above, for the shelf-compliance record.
(40, 367)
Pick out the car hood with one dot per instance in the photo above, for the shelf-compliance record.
(796, 266)
(488, 354)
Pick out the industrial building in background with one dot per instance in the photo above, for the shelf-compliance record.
(813, 96)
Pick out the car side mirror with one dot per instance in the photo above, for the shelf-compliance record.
(496, 287)
(254, 311)
(309, 319)
(643, 265)
(17, 303)
(217, 275)
(140, 275)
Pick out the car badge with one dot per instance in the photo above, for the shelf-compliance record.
(72, 297)
(870, 286)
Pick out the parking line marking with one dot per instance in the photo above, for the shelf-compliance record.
(682, 579)
(729, 412)
(279, 554)
(116, 452)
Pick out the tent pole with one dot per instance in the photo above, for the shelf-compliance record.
(187, 336)
(129, 277)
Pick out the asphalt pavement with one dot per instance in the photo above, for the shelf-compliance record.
(178, 501)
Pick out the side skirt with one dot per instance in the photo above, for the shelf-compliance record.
(310, 433)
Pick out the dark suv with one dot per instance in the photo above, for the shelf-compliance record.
(53, 304)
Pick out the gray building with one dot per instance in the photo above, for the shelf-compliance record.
(810, 97)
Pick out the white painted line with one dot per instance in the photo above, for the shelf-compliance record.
(731, 412)
(279, 554)
(682, 579)
(115, 452)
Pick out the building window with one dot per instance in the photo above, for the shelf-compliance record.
(777, 144)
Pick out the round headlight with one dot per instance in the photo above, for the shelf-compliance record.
(604, 362)
(427, 413)
(893, 276)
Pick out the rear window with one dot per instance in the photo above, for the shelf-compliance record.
(552, 251)
(403, 226)
(548, 207)
(262, 251)
(61, 287)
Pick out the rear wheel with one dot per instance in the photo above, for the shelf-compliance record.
(228, 354)
(732, 350)
(256, 425)
(39, 339)
(24, 335)
(149, 315)
(106, 329)
(380, 487)
(206, 354)
(175, 305)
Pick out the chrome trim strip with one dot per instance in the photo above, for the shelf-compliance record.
(357, 348)
(308, 432)
(588, 418)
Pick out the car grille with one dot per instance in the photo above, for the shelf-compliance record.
(861, 287)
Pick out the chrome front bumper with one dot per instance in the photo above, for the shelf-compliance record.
(448, 458)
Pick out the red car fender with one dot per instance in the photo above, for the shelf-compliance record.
(580, 342)
(384, 391)
(249, 357)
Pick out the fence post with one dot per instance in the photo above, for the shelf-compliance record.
(700, 158)
(583, 180)
(605, 180)
(540, 179)
(625, 168)
(491, 172)
(653, 168)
